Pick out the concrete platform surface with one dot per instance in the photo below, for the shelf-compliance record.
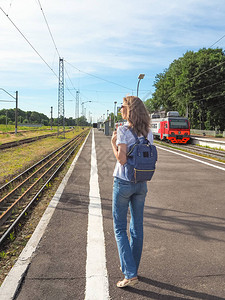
(184, 232)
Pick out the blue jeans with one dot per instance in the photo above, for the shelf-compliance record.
(128, 194)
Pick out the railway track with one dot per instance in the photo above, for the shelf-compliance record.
(26, 141)
(17, 196)
(213, 153)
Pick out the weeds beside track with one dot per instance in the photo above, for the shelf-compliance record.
(207, 152)
(19, 194)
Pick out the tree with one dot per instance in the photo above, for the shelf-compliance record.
(82, 121)
(194, 85)
(2, 119)
(35, 117)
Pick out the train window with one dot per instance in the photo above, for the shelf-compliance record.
(176, 123)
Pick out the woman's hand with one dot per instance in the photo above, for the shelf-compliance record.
(120, 152)
(114, 138)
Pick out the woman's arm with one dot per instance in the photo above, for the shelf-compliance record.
(120, 152)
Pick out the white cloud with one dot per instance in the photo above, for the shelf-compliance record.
(108, 38)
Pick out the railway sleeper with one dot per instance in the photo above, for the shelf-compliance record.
(10, 216)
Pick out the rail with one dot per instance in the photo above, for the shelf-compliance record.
(199, 150)
(18, 195)
(25, 141)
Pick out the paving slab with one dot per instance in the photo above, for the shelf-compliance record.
(184, 241)
(183, 255)
(57, 270)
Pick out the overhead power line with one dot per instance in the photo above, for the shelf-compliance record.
(187, 80)
(54, 43)
(208, 86)
(206, 71)
(49, 30)
(99, 77)
(29, 43)
(217, 41)
(69, 90)
(209, 97)
(56, 48)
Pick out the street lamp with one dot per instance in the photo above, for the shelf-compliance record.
(83, 106)
(141, 76)
(90, 117)
(16, 110)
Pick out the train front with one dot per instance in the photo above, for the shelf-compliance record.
(178, 130)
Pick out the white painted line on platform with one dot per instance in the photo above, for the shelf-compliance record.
(13, 280)
(97, 286)
(198, 160)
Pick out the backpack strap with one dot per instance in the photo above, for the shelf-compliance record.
(136, 137)
(137, 141)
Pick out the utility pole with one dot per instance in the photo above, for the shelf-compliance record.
(16, 110)
(61, 110)
(83, 110)
(51, 116)
(77, 105)
(16, 113)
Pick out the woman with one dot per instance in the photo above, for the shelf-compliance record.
(129, 194)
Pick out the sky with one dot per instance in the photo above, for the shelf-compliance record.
(105, 45)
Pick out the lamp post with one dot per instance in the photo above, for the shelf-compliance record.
(90, 117)
(83, 106)
(16, 110)
(114, 114)
(141, 76)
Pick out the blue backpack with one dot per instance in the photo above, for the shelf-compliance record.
(141, 160)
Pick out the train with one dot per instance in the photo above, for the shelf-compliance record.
(170, 127)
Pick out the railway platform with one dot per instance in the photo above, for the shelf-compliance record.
(209, 141)
(73, 255)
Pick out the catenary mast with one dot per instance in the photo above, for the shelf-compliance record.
(61, 111)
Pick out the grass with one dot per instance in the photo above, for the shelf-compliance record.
(11, 128)
(188, 151)
(24, 132)
(213, 148)
(15, 160)
(10, 251)
(6, 137)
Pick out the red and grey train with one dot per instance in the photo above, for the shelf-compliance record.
(171, 127)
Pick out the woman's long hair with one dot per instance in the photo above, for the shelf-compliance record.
(137, 115)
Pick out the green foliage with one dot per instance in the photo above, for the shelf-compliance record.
(82, 121)
(117, 119)
(2, 119)
(186, 87)
(12, 236)
(33, 117)
(3, 254)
